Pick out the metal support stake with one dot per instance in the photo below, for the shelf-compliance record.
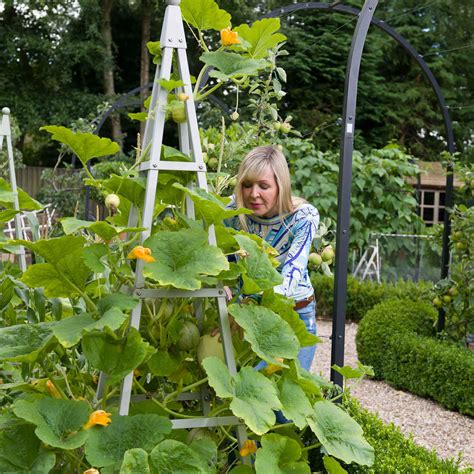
(5, 132)
(344, 187)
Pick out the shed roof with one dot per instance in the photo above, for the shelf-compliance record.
(433, 174)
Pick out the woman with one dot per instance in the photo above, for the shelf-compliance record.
(286, 222)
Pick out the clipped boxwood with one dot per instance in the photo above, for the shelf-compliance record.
(394, 452)
(397, 339)
(364, 295)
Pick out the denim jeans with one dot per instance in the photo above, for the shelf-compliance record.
(306, 354)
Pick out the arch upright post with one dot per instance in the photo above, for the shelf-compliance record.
(344, 187)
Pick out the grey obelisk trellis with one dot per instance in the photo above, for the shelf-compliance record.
(173, 41)
(5, 133)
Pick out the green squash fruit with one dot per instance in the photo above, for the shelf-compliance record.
(437, 302)
(327, 254)
(178, 113)
(188, 336)
(209, 346)
(315, 259)
(212, 163)
(197, 434)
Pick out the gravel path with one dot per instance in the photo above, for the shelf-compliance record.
(431, 425)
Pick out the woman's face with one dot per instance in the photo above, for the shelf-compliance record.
(260, 194)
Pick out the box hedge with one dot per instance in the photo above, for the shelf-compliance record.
(364, 295)
(397, 339)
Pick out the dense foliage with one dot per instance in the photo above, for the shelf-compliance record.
(397, 339)
(57, 50)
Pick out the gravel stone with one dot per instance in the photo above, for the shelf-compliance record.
(432, 426)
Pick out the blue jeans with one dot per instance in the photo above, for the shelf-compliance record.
(306, 354)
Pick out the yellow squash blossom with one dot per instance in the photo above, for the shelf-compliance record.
(92, 470)
(272, 368)
(229, 37)
(53, 391)
(98, 417)
(249, 447)
(142, 253)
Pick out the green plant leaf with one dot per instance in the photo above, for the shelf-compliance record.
(56, 249)
(58, 422)
(69, 331)
(268, 334)
(140, 116)
(209, 206)
(259, 274)
(103, 229)
(170, 84)
(164, 363)
(106, 445)
(115, 356)
(349, 372)
(283, 306)
(7, 215)
(205, 14)
(132, 189)
(154, 48)
(262, 36)
(280, 455)
(24, 342)
(7, 198)
(340, 435)
(253, 396)
(333, 466)
(21, 450)
(182, 258)
(119, 300)
(85, 145)
(92, 255)
(171, 456)
(295, 403)
(135, 461)
(232, 65)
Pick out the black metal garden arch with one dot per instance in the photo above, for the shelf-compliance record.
(345, 170)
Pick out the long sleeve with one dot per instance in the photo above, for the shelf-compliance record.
(295, 265)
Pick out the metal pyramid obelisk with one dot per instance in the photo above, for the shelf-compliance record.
(172, 42)
(5, 132)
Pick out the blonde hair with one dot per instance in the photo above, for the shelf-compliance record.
(254, 165)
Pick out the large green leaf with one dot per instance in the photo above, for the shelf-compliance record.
(332, 466)
(295, 403)
(204, 14)
(269, 335)
(174, 457)
(209, 206)
(234, 65)
(135, 461)
(115, 356)
(7, 215)
(93, 255)
(119, 300)
(69, 331)
(253, 395)
(262, 36)
(58, 422)
(284, 307)
(7, 198)
(20, 448)
(340, 435)
(65, 273)
(259, 274)
(24, 342)
(106, 446)
(85, 145)
(182, 258)
(103, 229)
(280, 455)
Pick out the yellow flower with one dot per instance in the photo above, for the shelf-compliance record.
(229, 37)
(92, 470)
(272, 368)
(53, 391)
(249, 447)
(98, 417)
(142, 253)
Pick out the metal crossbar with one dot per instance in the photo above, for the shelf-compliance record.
(173, 42)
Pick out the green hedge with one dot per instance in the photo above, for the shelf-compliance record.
(397, 339)
(364, 295)
(394, 452)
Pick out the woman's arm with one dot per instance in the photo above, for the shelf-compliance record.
(296, 262)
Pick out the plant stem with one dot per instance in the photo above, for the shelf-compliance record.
(170, 396)
(312, 446)
(221, 151)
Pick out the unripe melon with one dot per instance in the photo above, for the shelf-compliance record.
(209, 346)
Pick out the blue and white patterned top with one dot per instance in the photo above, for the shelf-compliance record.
(292, 238)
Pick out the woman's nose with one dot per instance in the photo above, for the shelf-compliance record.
(254, 191)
